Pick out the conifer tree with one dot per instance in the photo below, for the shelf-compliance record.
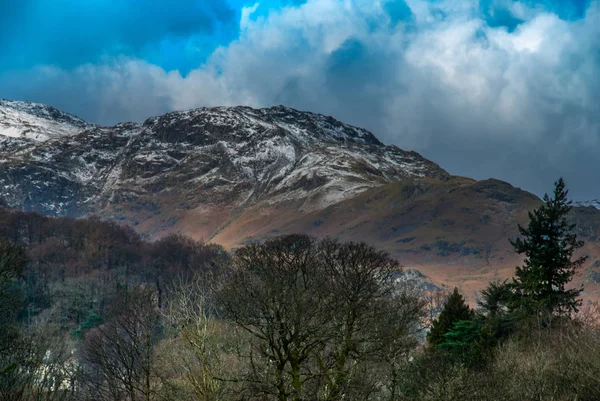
(495, 298)
(548, 243)
(454, 311)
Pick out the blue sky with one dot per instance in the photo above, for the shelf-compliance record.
(495, 88)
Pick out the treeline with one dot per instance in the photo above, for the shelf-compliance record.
(89, 311)
(75, 265)
(61, 278)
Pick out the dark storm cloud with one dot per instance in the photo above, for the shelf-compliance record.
(67, 33)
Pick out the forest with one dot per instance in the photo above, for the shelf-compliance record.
(89, 310)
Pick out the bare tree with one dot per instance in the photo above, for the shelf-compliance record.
(274, 294)
(33, 360)
(119, 356)
(375, 319)
(206, 347)
(319, 314)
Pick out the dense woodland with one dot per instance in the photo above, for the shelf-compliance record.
(90, 311)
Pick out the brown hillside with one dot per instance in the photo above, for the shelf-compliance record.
(456, 232)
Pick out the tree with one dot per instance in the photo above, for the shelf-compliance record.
(548, 244)
(454, 311)
(468, 340)
(472, 341)
(374, 319)
(274, 293)
(32, 359)
(205, 347)
(12, 359)
(494, 306)
(12, 263)
(495, 298)
(179, 256)
(119, 357)
(320, 314)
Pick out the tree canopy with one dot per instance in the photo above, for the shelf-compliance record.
(454, 311)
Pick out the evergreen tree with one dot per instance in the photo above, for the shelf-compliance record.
(454, 311)
(548, 244)
(495, 298)
(469, 341)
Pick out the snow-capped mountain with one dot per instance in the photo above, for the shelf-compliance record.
(202, 162)
(37, 122)
(594, 203)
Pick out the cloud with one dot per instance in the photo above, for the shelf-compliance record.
(68, 33)
(490, 89)
(246, 13)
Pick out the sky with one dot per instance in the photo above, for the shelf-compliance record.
(490, 88)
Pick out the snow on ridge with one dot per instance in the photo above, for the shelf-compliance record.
(44, 111)
(594, 203)
(37, 122)
(288, 154)
(304, 126)
(238, 155)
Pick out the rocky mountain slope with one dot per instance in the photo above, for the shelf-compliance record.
(36, 122)
(212, 162)
(235, 175)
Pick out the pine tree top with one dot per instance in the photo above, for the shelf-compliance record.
(455, 309)
(548, 243)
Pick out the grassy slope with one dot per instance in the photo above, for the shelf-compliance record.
(455, 232)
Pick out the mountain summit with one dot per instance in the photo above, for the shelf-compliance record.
(38, 122)
(593, 203)
(206, 162)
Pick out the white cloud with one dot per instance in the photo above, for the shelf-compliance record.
(430, 84)
(246, 14)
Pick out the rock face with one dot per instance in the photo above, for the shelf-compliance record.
(211, 159)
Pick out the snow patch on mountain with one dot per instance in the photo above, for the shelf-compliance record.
(594, 203)
(37, 122)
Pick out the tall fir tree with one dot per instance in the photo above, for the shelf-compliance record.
(454, 311)
(548, 243)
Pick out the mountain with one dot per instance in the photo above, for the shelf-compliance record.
(456, 232)
(205, 162)
(234, 175)
(36, 122)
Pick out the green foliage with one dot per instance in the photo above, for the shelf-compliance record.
(495, 298)
(91, 322)
(548, 244)
(467, 340)
(454, 311)
(494, 304)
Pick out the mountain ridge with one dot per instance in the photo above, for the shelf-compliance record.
(37, 121)
(264, 152)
